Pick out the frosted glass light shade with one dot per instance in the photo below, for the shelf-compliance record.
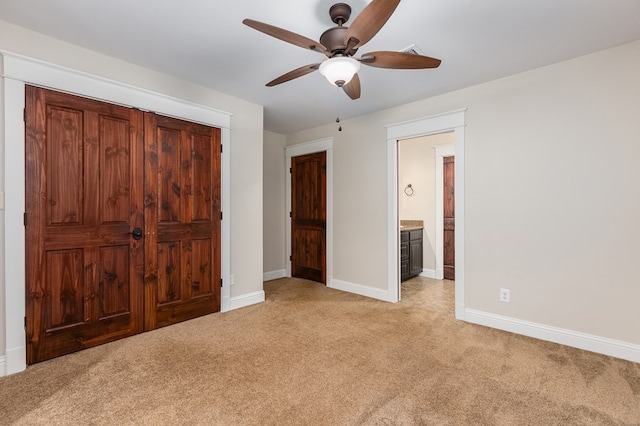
(339, 70)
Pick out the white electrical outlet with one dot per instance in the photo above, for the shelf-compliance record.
(505, 295)
(232, 280)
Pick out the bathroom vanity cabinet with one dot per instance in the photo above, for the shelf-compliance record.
(410, 253)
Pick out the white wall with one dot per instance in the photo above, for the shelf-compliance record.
(245, 150)
(274, 206)
(552, 199)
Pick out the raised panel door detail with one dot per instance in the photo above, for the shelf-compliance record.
(169, 285)
(169, 175)
(113, 280)
(308, 256)
(200, 171)
(65, 288)
(200, 270)
(115, 187)
(64, 147)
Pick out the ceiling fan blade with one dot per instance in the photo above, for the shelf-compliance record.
(286, 35)
(398, 60)
(368, 22)
(352, 88)
(298, 72)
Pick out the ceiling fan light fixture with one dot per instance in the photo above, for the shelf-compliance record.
(339, 70)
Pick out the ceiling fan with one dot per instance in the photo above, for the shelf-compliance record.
(339, 44)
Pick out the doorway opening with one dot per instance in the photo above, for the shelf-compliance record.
(426, 219)
(420, 194)
(449, 122)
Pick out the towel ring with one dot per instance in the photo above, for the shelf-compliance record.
(408, 190)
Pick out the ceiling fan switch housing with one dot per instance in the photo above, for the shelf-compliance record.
(340, 13)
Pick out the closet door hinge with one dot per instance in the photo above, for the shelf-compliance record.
(220, 282)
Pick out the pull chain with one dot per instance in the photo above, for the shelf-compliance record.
(338, 108)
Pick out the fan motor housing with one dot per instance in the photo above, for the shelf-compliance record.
(333, 39)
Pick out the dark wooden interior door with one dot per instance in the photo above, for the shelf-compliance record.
(182, 220)
(449, 219)
(84, 181)
(308, 217)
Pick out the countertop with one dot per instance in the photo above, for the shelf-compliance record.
(411, 225)
(410, 228)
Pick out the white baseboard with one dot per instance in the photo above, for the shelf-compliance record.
(14, 361)
(248, 299)
(428, 273)
(274, 275)
(363, 290)
(589, 342)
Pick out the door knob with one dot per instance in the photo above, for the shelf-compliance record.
(137, 233)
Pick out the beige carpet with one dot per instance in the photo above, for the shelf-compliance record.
(315, 356)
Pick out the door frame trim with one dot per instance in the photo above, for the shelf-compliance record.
(20, 70)
(440, 123)
(297, 150)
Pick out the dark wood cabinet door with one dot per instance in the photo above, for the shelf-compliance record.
(308, 217)
(84, 180)
(404, 255)
(449, 219)
(415, 257)
(182, 220)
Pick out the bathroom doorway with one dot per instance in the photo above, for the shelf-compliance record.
(421, 194)
(452, 122)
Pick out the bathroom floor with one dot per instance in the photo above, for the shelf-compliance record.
(433, 295)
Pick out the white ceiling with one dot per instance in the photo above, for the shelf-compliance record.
(205, 42)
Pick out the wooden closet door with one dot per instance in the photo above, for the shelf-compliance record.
(309, 216)
(182, 220)
(84, 182)
(96, 174)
